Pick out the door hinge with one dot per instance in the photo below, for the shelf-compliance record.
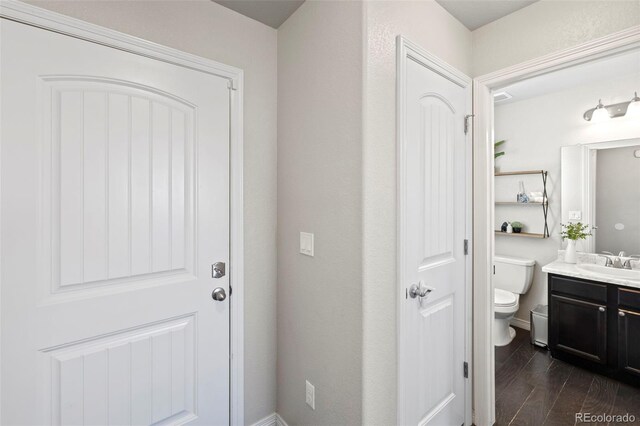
(466, 246)
(466, 122)
(466, 369)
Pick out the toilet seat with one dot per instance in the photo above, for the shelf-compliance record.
(504, 298)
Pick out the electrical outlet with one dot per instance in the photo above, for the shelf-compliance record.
(310, 395)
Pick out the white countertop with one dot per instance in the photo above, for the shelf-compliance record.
(569, 269)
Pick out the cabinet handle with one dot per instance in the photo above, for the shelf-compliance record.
(601, 309)
(620, 313)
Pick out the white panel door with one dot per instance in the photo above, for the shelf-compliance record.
(435, 214)
(115, 203)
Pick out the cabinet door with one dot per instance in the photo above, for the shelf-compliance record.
(579, 328)
(629, 341)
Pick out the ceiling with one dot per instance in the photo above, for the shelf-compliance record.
(617, 66)
(269, 12)
(475, 13)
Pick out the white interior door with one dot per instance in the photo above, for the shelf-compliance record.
(115, 204)
(434, 215)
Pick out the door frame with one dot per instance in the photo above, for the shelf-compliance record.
(407, 50)
(55, 22)
(483, 198)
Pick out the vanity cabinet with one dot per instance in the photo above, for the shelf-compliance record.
(579, 327)
(629, 330)
(595, 325)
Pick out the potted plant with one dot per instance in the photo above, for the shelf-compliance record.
(574, 232)
(517, 227)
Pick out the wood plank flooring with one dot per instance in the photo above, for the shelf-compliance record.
(534, 389)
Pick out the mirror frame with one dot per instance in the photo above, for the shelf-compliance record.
(589, 156)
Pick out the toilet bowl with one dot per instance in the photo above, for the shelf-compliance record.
(513, 277)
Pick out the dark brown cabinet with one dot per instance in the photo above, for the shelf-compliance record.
(595, 325)
(579, 327)
(629, 330)
(629, 341)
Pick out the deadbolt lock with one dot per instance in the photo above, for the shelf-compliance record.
(218, 270)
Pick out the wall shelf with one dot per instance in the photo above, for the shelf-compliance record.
(515, 203)
(521, 172)
(544, 203)
(521, 234)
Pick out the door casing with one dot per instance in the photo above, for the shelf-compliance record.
(483, 197)
(407, 50)
(51, 21)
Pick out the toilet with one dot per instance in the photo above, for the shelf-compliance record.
(513, 277)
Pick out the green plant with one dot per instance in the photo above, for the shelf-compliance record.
(517, 225)
(495, 147)
(575, 231)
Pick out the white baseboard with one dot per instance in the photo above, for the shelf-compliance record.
(520, 323)
(280, 421)
(272, 419)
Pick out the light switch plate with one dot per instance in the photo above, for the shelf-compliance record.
(306, 243)
(575, 215)
(310, 395)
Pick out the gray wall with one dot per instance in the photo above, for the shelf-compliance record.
(207, 29)
(320, 191)
(548, 26)
(618, 200)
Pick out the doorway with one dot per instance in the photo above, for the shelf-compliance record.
(484, 198)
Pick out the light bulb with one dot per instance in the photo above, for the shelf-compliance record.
(600, 114)
(633, 110)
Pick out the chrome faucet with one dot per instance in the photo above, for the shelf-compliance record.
(607, 260)
(627, 263)
(616, 262)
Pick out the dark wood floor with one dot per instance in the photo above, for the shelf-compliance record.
(534, 389)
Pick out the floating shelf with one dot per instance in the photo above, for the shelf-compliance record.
(544, 203)
(515, 203)
(521, 172)
(521, 234)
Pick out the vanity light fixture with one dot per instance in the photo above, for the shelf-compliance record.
(633, 110)
(599, 114)
(604, 112)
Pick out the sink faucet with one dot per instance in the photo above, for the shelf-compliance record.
(607, 260)
(627, 263)
(616, 262)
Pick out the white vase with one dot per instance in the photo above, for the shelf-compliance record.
(570, 255)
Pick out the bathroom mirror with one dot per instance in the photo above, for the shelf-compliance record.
(600, 186)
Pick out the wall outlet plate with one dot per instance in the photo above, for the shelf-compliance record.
(575, 215)
(310, 395)
(306, 243)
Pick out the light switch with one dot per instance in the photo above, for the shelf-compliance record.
(306, 243)
(575, 215)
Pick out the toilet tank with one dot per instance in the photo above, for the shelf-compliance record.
(513, 274)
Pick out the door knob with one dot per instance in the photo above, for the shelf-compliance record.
(219, 294)
(601, 308)
(418, 290)
(620, 313)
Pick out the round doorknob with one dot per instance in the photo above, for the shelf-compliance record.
(219, 294)
(620, 313)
